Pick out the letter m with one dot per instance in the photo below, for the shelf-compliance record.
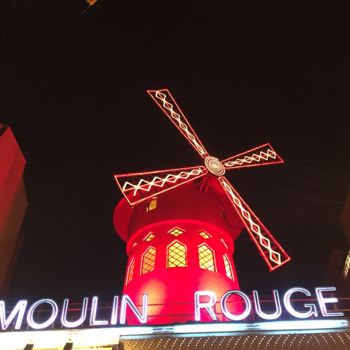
(16, 313)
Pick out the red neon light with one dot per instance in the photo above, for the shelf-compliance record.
(167, 103)
(261, 155)
(138, 187)
(272, 252)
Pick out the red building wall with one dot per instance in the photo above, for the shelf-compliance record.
(13, 201)
(178, 243)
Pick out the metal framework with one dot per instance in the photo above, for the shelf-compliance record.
(138, 187)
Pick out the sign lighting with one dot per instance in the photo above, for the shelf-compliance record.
(73, 324)
(204, 303)
(311, 308)
(264, 315)
(323, 301)
(247, 306)
(30, 315)
(208, 305)
(112, 335)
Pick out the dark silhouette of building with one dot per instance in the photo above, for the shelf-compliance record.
(345, 218)
(338, 268)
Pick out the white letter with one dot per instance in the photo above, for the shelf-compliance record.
(244, 314)
(208, 305)
(127, 301)
(322, 301)
(77, 323)
(288, 305)
(93, 321)
(18, 310)
(50, 320)
(264, 315)
(114, 316)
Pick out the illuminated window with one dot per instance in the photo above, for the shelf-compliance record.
(204, 234)
(176, 255)
(224, 243)
(176, 231)
(148, 260)
(151, 205)
(149, 237)
(130, 273)
(206, 258)
(346, 266)
(228, 268)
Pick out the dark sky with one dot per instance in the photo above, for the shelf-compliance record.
(72, 87)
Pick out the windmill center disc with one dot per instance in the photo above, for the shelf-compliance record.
(214, 166)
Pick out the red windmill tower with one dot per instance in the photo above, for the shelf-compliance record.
(180, 226)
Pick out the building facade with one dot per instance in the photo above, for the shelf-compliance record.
(13, 202)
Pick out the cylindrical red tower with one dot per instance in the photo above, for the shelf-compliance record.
(178, 243)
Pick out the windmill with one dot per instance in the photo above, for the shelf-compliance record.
(180, 225)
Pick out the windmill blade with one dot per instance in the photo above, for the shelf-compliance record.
(138, 187)
(272, 252)
(262, 155)
(167, 103)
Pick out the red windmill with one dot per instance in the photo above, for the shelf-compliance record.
(181, 241)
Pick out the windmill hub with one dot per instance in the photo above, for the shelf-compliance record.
(214, 166)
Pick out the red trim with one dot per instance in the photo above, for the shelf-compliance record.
(185, 122)
(265, 232)
(250, 153)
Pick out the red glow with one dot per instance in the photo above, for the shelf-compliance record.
(261, 155)
(187, 256)
(138, 187)
(269, 248)
(177, 269)
(174, 113)
(13, 201)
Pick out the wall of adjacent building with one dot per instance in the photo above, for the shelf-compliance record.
(345, 218)
(13, 202)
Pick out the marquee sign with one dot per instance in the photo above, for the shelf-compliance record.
(204, 302)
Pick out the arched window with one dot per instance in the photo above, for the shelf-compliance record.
(206, 257)
(176, 255)
(148, 260)
(151, 205)
(130, 273)
(228, 268)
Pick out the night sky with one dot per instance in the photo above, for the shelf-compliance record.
(72, 87)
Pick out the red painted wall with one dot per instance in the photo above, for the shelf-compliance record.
(13, 201)
(195, 207)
